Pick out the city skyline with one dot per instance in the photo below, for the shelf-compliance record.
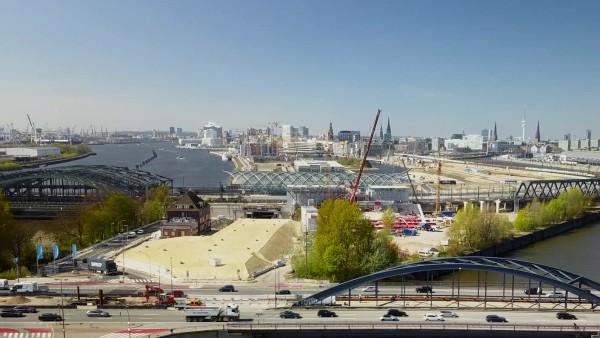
(435, 68)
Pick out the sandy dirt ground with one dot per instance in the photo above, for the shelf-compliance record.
(242, 247)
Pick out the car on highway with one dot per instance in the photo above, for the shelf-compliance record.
(283, 292)
(11, 313)
(369, 289)
(495, 319)
(97, 313)
(227, 288)
(556, 294)
(565, 315)
(424, 289)
(447, 314)
(289, 314)
(388, 318)
(26, 309)
(140, 232)
(397, 313)
(326, 313)
(433, 317)
(50, 317)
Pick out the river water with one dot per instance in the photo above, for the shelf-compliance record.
(197, 168)
(573, 251)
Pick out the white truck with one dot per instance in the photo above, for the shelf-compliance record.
(4, 284)
(212, 313)
(27, 287)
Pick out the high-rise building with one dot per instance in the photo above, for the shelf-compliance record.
(588, 134)
(349, 135)
(171, 131)
(179, 132)
(303, 131)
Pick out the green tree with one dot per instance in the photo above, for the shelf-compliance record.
(384, 253)
(388, 218)
(475, 230)
(7, 232)
(342, 241)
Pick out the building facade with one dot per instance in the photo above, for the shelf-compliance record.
(188, 216)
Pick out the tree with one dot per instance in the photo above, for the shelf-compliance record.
(7, 232)
(342, 241)
(475, 230)
(388, 218)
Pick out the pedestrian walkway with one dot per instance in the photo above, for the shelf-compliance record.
(25, 333)
(134, 333)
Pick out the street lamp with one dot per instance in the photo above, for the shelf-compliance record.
(125, 245)
(149, 264)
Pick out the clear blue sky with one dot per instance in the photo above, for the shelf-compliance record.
(434, 67)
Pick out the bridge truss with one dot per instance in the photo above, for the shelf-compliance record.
(73, 184)
(549, 189)
(567, 281)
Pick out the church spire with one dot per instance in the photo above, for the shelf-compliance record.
(537, 133)
(330, 132)
(495, 135)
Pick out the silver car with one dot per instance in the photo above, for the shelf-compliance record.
(97, 313)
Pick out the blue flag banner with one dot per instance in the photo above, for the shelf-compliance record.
(55, 250)
(16, 260)
(40, 251)
(74, 250)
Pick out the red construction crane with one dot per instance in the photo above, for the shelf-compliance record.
(364, 160)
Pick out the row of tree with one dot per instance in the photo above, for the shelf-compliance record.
(84, 226)
(345, 245)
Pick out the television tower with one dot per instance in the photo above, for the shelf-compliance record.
(524, 123)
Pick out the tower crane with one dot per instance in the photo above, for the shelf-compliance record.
(364, 160)
(33, 130)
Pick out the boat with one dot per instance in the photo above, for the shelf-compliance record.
(180, 157)
(226, 157)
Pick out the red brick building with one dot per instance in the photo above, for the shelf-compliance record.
(188, 216)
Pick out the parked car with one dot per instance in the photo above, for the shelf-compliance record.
(424, 289)
(289, 314)
(397, 313)
(97, 313)
(557, 294)
(369, 289)
(495, 319)
(11, 313)
(50, 317)
(326, 313)
(283, 292)
(388, 318)
(227, 288)
(433, 317)
(565, 315)
(26, 309)
(447, 314)
(140, 231)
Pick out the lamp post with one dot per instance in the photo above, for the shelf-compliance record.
(149, 264)
(171, 274)
(124, 246)
(62, 308)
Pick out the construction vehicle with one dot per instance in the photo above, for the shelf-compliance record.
(184, 303)
(364, 160)
(152, 291)
(212, 313)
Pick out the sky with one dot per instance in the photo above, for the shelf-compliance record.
(434, 68)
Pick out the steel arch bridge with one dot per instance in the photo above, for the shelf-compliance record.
(72, 184)
(568, 281)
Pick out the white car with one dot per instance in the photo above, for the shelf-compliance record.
(388, 318)
(447, 314)
(433, 317)
(369, 289)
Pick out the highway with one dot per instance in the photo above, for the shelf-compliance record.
(160, 321)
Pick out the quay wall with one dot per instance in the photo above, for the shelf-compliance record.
(537, 236)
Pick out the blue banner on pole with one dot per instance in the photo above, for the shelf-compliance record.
(55, 250)
(16, 260)
(40, 251)
(74, 250)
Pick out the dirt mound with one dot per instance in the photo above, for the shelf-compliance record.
(16, 300)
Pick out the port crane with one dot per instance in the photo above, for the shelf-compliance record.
(364, 160)
(34, 137)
